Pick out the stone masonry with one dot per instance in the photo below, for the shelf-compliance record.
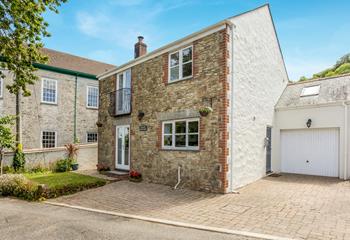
(204, 169)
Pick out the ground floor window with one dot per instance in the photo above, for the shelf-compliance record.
(48, 139)
(181, 134)
(91, 137)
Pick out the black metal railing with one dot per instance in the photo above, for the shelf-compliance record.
(120, 102)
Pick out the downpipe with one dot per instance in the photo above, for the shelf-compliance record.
(178, 177)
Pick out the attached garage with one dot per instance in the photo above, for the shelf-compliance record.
(311, 134)
(310, 151)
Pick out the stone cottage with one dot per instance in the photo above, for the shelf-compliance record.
(152, 109)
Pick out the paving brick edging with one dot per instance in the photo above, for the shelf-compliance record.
(173, 223)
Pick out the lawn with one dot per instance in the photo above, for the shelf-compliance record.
(65, 183)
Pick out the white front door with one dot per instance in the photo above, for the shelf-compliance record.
(310, 151)
(122, 148)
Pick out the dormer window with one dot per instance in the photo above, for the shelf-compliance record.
(310, 91)
(180, 64)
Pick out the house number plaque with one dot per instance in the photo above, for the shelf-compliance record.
(143, 127)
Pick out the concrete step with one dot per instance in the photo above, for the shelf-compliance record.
(121, 175)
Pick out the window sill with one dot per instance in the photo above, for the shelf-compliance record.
(179, 150)
(92, 108)
(179, 80)
(49, 103)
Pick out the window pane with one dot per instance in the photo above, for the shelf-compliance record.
(180, 127)
(92, 97)
(168, 140)
(180, 141)
(49, 90)
(48, 139)
(174, 59)
(174, 73)
(187, 70)
(92, 137)
(187, 55)
(193, 127)
(121, 81)
(193, 140)
(168, 128)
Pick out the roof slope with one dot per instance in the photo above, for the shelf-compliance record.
(332, 89)
(75, 63)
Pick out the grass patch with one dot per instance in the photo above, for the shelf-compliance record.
(58, 184)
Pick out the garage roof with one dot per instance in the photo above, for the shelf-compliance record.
(331, 89)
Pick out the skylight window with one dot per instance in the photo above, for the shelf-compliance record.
(310, 91)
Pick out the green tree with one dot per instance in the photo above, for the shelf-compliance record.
(7, 139)
(22, 28)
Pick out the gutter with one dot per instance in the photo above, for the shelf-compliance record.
(75, 110)
(64, 71)
(59, 70)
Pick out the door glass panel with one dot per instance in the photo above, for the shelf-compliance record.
(121, 81)
(120, 146)
(127, 79)
(126, 146)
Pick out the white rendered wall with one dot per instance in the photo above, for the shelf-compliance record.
(259, 78)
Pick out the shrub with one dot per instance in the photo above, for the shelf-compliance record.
(63, 165)
(17, 185)
(38, 169)
(19, 159)
(8, 169)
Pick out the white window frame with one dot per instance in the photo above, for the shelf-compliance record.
(1, 87)
(180, 65)
(87, 133)
(305, 94)
(87, 97)
(41, 138)
(173, 134)
(42, 90)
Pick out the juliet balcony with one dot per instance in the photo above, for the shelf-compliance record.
(120, 102)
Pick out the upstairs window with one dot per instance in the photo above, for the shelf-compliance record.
(92, 97)
(48, 139)
(91, 137)
(1, 86)
(49, 91)
(310, 91)
(181, 134)
(180, 64)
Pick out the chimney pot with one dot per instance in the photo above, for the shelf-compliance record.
(140, 47)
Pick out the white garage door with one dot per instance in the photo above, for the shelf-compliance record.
(310, 151)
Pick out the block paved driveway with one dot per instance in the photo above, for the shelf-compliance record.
(295, 206)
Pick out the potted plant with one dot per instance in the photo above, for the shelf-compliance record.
(72, 153)
(205, 111)
(135, 176)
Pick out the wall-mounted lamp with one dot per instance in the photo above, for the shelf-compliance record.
(308, 123)
(140, 115)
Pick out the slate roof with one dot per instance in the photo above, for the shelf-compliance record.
(332, 89)
(75, 63)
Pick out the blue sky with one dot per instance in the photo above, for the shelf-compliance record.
(313, 33)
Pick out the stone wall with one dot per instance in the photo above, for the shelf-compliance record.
(38, 116)
(159, 100)
(87, 157)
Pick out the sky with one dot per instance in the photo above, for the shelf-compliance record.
(313, 33)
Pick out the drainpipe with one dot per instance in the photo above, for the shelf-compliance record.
(345, 140)
(75, 110)
(178, 177)
(232, 27)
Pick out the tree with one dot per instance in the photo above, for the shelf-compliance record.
(7, 140)
(22, 28)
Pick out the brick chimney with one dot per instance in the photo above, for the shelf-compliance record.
(140, 47)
